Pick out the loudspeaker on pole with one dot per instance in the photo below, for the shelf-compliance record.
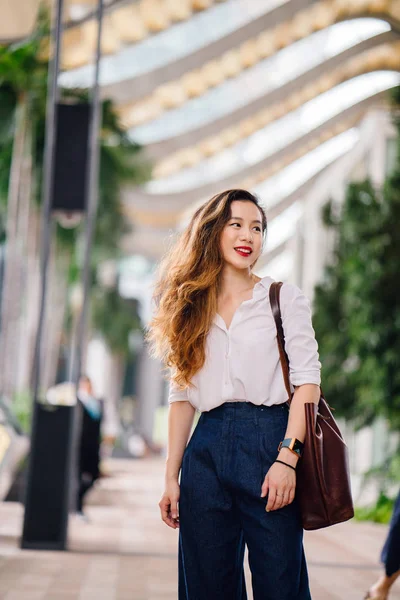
(71, 158)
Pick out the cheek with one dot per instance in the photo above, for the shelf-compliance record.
(227, 239)
(257, 248)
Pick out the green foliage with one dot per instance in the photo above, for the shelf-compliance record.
(121, 162)
(115, 318)
(23, 79)
(22, 409)
(20, 64)
(356, 310)
(380, 512)
(7, 108)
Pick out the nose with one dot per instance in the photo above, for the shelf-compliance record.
(246, 235)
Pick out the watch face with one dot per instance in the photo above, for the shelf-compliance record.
(293, 444)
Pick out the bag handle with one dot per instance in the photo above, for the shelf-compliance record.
(274, 292)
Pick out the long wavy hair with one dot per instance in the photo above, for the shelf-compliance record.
(187, 286)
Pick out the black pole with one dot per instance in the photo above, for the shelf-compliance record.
(51, 484)
(92, 191)
(33, 491)
(92, 194)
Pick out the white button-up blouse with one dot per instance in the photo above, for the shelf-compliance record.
(242, 362)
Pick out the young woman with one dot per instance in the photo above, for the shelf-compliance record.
(214, 329)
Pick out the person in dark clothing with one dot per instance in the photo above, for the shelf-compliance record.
(90, 439)
(390, 558)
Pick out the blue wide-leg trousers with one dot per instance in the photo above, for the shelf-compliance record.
(221, 511)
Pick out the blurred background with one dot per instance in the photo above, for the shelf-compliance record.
(106, 149)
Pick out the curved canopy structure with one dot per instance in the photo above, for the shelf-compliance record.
(256, 85)
(278, 133)
(263, 94)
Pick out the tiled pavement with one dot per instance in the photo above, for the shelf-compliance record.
(126, 553)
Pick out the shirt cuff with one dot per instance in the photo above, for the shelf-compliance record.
(176, 394)
(305, 377)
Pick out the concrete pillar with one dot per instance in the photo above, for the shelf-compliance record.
(106, 373)
(296, 245)
(332, 183)
(376, 158)
(150, 391)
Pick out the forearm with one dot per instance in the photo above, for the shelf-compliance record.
(180, 421)
(296, 427)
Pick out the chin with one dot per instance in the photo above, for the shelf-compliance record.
(236, 264)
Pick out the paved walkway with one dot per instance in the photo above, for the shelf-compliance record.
(126, 553)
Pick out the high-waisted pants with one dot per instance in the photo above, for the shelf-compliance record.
(221, 510)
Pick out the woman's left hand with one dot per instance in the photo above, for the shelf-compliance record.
(280, 485)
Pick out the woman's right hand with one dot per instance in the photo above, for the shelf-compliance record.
(169, 504)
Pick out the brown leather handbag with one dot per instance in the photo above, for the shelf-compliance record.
(323, 480)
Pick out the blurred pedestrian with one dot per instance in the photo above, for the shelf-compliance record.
(390, 558)
(90, 439)
(214, 326)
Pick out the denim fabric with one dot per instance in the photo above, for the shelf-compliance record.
(391, 550)
(220, 510)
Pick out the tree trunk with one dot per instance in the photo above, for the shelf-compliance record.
(55, 310)
(12, 268)
(18, 327)
(29, 322)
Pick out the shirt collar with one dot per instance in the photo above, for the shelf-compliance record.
(266, 281)
(261, 290)
(263, 284)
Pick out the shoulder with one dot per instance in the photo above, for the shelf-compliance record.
(289, 293)
(293, 300)
(291, 297)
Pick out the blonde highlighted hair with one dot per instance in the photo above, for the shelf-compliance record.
(187, 287)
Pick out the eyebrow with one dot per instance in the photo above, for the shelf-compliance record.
(240, 219)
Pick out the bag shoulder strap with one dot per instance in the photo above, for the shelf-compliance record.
(274, 294)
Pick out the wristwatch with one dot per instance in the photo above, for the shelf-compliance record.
(293, 444)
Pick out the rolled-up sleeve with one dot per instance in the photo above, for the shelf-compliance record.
(300, 343)
(176, 394)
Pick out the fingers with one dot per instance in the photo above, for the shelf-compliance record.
(279, 500)
(164, 509)
(174, 508)
(279, 497)
(271, 498)
(167, 512)
(265, 487)
(275, 500)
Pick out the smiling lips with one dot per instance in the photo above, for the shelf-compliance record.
(243, 250)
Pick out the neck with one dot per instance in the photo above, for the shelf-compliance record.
(234, 281)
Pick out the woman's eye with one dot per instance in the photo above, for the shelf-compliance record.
(257, 227)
